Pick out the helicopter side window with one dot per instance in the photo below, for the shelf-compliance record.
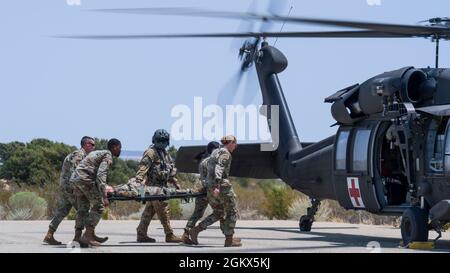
(341, 150)
(360, 150)
(435, 144)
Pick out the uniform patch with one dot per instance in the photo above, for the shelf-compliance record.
(354, 192)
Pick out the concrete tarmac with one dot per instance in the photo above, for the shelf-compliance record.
(257, 236)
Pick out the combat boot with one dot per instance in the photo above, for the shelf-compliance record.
(88, 238)
(194, 233)
(143, 238)
(78, 233)
(186, 238)
(232, 242)
(171, 238)
(100, 239)
(49, 239)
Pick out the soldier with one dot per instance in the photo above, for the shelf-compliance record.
(89, 180)
(200, 202)
(67, 198)
(220, 194)
(157, 169)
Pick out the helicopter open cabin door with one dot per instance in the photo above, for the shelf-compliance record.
(437, 158)
(353, 167)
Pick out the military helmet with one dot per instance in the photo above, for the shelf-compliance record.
(161, 139)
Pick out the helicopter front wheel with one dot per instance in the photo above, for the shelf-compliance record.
(305, 223)
(414, 226)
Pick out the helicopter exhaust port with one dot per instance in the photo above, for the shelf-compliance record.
(416, 87)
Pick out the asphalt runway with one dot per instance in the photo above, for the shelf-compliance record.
(257, 236)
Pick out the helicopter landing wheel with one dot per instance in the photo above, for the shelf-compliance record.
(414, 226)
(305, 223)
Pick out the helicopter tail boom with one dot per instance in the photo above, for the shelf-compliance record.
(271, 62)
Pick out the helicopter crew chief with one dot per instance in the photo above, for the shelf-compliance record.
(157, 169)
(221, 196)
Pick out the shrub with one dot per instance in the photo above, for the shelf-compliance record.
(175, 209)
(50, 192)
(279, 198)
(26, 206)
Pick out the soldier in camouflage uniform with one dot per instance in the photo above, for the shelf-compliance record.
(220, 194)
(156, 168)
(89, 180)
(67, 198)
(200, 202)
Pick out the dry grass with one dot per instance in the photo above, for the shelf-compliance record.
(122, 210)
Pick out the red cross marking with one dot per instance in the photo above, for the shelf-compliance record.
(354, 192)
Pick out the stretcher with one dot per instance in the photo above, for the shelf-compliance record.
(130, 192)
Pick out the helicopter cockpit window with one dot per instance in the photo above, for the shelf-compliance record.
(341, 150)
(435, 145)
(360, 150)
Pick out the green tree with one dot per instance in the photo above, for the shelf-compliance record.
(121, 171)
(36, 163)
(101, 144)
(8, 149)
(172, 152)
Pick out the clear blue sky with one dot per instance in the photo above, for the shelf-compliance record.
(63, 89)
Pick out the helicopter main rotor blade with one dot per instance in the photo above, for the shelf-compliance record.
(320, 34)
(244, 26)
(251, 87)
(227, 94)
(414, 30)
(274, 7)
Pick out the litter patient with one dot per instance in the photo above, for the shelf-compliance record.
(130, 189)
(135, 189)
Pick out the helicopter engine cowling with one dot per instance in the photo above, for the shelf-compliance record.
(404, 85)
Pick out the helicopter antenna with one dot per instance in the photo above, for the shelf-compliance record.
(282, 26)
(436, 40)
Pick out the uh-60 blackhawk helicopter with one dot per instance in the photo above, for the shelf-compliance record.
(391, 152)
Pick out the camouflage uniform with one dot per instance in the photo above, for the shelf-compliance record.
(130, 189)
(67, 199)
(89, 181)
(157, 169)
(201, 203)
(224, 206)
